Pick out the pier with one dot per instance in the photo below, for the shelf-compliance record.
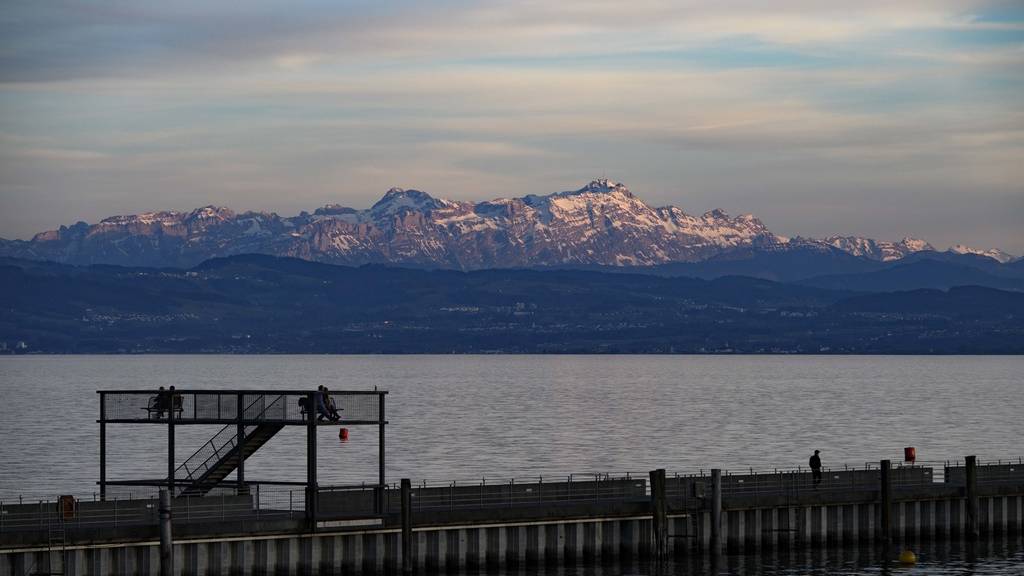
(212, 523)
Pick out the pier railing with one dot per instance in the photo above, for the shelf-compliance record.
(137, 505)
(485, 493)
(140, 508)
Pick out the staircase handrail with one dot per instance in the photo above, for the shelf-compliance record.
(221, 449)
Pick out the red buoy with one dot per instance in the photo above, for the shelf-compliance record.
(909, 454)
(343, 433)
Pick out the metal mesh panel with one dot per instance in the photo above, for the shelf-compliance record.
(271, 407)
(519, 493)
(127, 406)
(995, 473)
(213, 406)
(87, 512)
(357, 407)
(352, 407)
(289, 407)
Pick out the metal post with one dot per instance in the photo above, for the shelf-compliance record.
(886, 493)
(103, 446)
(659, 516)
(971, 472)
(380, 457)
(170, 441)
(716, 511)
(406, 526)
(311, 485)
(166, 541)
(240, 413)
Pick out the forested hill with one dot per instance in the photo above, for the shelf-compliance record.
(258, 304)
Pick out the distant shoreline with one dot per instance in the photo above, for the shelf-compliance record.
(267, 305)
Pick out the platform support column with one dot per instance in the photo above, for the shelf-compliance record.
(103, 446)
(170, 441)
(311, 483)
(971, 473)
(380, 458)
(240, 441)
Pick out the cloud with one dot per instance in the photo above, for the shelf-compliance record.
(778, 109)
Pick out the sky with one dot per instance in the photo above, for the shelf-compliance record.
(874, 118)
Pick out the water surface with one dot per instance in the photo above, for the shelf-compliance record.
(470, 417)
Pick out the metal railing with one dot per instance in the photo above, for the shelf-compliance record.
(135, 505)
(992, 472)
(223, 442)
(141, 509)
(484, 493)
(207, 406)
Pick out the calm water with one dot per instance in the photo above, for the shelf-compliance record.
(467, 417)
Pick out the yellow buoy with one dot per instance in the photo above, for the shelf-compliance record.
(908, 557)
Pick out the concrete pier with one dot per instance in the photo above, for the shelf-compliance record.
(592, 531)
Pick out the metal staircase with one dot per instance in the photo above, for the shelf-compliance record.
(219, 456)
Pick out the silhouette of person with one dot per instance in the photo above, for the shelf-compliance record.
(815, 463)
(163, 402)
(332, 409)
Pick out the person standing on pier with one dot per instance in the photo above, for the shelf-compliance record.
(815, 464)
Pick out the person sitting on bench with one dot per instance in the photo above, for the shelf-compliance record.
(332, 410)
(159, 403)
(322, 402)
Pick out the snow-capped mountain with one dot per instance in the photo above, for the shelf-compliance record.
(878, 250)
(994, 253)
(602, 223)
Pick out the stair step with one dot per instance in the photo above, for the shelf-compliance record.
(229, 463)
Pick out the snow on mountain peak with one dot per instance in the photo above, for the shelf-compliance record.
(601, 186)
(877, 249)
(600, 223)
(994, 253)
(211, 212)
(915, 244)
(397, 198)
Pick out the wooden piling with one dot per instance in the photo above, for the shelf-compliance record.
(885, 489)
(659, 514)
(716, 511)
(971, 473)
(406, 526)
(166, 540)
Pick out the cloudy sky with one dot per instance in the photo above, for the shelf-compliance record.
(875, 118)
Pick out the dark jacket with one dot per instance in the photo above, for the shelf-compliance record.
(815, 462)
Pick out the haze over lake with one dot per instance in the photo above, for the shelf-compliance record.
(469, 417)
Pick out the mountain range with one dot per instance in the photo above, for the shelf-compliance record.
(602, 224)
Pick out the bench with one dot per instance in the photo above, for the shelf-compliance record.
(156, 406)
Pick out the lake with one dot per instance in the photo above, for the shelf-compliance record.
(497, 417)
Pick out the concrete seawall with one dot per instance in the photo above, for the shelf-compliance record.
(441, 542)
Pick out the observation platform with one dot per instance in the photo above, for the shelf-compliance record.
(248, 419)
